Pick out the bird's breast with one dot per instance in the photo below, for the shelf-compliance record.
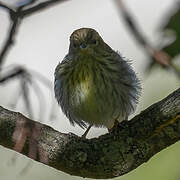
(81, 91)
(83, 94)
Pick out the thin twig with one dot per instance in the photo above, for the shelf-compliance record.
(16, 98)
(10, 39)
(6, 7)
(42, 79)
(12, 74)
(23, 4)
(15, 17)
(41, 100)
(40, 7)
(49, 85)
(159, 56)
(24, 85)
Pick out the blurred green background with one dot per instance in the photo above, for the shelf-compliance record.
(42, 41)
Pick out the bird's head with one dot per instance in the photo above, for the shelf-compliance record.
(86, 41)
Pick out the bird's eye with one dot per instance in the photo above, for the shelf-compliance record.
(94, 41)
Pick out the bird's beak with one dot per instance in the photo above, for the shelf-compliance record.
(84, 48)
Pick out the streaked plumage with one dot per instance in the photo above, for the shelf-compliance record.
(94, 84)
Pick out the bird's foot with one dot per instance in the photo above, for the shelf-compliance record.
(86, 132)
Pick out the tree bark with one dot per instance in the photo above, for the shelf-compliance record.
(114, 154)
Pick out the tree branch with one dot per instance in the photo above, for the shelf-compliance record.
(127, 147)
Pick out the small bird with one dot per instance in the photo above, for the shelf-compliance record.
(94, 85)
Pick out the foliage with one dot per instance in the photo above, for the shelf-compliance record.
(173, 24)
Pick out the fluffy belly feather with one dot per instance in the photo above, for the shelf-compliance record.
(88, 106)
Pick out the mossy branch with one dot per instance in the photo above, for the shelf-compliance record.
(110, 155)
